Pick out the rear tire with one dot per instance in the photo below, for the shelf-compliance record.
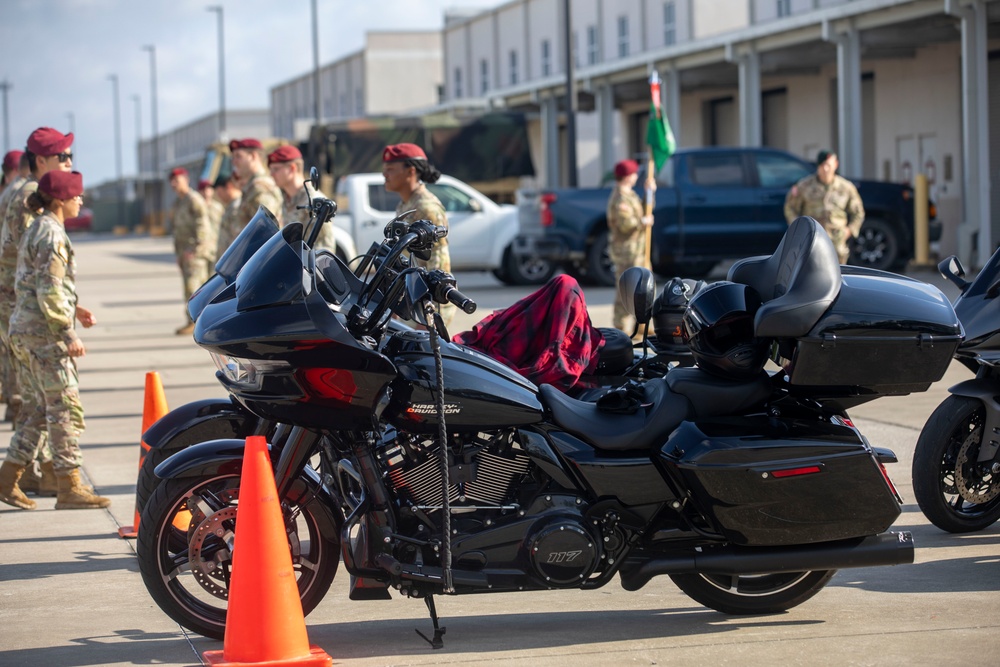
(954, 433)
(752, 594)
(878, 246)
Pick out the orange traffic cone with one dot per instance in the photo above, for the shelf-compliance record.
(264, 621)
(154, 407)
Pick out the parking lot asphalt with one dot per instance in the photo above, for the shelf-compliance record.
(71, 594)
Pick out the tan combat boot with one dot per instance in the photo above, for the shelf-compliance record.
(74, 495)
(43, 485)
(10, 493)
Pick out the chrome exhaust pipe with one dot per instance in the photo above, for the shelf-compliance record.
(884, 549)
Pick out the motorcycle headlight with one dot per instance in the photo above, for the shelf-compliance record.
(248, 373)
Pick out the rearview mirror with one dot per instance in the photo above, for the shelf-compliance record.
(314, 177)
(952, 269)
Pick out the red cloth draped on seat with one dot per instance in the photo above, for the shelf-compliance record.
(546, 336)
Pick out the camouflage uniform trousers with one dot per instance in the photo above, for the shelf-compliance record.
(8, 365)
(624, 256)
(52, 406)
(840, 236)
(194, 273)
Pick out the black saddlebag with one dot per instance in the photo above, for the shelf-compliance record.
(768, 482)
(885, 334)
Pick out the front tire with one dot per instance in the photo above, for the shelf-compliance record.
(752, 594)
(954, 492)
(185, 550)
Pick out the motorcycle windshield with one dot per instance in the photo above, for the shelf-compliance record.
(275, 275)
(260, 228)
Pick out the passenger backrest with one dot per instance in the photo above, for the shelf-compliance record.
(797, 283)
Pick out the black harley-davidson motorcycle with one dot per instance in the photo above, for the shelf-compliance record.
(443, 472)
(956, 464)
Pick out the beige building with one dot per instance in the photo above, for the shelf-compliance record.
(897, 87)
(396, 72)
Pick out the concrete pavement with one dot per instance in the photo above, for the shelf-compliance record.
(71, 594)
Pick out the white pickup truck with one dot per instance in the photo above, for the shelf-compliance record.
(480, 232)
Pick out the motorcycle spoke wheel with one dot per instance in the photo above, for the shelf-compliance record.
(955, 492)
(752, 594)
(185, 545)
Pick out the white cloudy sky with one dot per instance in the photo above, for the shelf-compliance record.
(57, 55)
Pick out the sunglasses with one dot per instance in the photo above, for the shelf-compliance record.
(64, 157)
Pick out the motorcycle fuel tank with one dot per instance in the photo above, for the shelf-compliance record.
(480, 393)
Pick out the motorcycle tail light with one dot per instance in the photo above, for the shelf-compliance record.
(796, 472)
(885, 476)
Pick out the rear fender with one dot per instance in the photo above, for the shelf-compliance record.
(199, 421)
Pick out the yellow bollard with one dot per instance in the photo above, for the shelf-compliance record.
(921, 221)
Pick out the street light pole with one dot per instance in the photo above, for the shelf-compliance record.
(315, 27)
(118, 149)
(138, 138)
(72, 122)
(156, 134)
(570, 98)
(222, 71)
(5, 86)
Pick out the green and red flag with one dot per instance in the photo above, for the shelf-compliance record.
(659, 136)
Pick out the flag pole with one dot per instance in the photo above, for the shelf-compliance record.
(654, 91)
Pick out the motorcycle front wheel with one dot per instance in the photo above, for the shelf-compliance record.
(185, 546)
(954, 491)
(752, 594)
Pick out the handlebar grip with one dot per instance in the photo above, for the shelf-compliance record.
(460, 300)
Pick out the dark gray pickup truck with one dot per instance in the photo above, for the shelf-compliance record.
(712, 204)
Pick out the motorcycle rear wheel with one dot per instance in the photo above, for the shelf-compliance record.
(186, 570)
(753, 594)
(954, 432)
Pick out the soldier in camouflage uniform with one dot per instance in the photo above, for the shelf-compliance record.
(259, 188)
(47, 150)
(406, 170)
(15, 174)
(288, 171)
(229, 193)
(191, 239)
(43, 338)
(831, 199)
(627, 229)
(215, 212)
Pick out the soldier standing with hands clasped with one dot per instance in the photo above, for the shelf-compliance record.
(831, 199)
(627, 226)
(44, 339)
(192, 235)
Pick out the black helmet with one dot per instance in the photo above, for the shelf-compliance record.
(718, 328)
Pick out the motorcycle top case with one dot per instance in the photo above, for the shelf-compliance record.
(884, 334)
(773, 482)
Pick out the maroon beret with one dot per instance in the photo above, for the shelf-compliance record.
(284, 154)
(11, 160)
(204, 183)
(62, 185)
(250, 144)
(398, 152)
(626, 168)
(45, 141)
(178, 171)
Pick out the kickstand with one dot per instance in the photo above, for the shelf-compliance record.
(437, 642)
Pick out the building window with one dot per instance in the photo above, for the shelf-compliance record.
(359, 98)
(484, 76)
(458, 82)
(669, 23)
(513, 68)
(546, 57)
(593, 48)
(622, 36)
(784, 8)
(344, 111)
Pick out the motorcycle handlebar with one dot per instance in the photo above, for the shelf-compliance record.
(462, 301)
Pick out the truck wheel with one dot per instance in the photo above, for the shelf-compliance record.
(600, 270)
(878, 246)
(524, 269)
